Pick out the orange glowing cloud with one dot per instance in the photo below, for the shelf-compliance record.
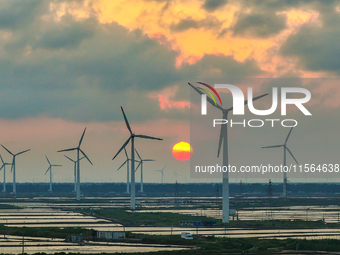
(165, 101)
(193, 32)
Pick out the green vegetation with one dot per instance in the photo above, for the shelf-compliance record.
(212, 245)
(7, 206)
(142, 218)
(281, 224)
(44, 232)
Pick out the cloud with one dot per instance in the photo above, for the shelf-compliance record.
(67, 33)
(259, 25)
(189, 23)
(212, 5)
(17, 14)
(316, 46)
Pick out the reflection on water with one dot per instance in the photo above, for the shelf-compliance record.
(42, 216)
(13, 245)
(328, 214)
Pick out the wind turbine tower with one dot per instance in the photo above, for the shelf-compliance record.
(74, 172)
(50, 169)
(13, 167)
(127, 162)
(78, 161)
(285, 149)
(4, 167)
(132, 139)
(141, 169)
(162, 173)
(224, 139)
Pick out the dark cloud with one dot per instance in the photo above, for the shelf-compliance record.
(83, 70)
(317, 47)
(213, 66)
(66, 34)
(186, 24)
(212, 5)
(17, 14)
(259, 25)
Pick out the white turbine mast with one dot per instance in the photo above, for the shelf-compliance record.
(127, 162)
(132, 139)
(4, 167)
(285, 149)
(51, 174)
(162, 174)
(74, 172)
(141, 169)
(78, 161)
(224, 139)
(13, 167)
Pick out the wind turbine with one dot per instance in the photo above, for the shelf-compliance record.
(13, 166)
(285, 149)
(78, 162)
(50, 169)
(132, 138)
(4, 167)
(175, 175)
(74, 172)
(127, 161)
(141, 169)
(162, 172)
(224, 139)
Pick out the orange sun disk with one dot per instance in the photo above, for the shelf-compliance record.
(182, 151)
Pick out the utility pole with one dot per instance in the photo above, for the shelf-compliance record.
(270, 189)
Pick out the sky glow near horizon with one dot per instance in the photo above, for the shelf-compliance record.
(67, 65)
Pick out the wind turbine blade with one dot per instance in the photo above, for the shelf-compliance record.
(292, 155)
(22, 152)
(127, 141)
(72, 149)
(274, 146)
(149, 160)
(208, 98)
(138, 154)
(122, 164)
(221, 140)
(255, 98)
(2, 167)
(85, 156)
(127, 156)
(81, 139)
(126, 121)
(288, 135)
(70, 159)
(140, 162)
(81, 158)
(48, 160)
(148, 137)
(57, 165)
(47, 170)
(7, 150)
(163, 168)
(2, 160)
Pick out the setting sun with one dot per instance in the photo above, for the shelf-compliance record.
(182, 151)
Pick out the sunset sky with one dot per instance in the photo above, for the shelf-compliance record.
(67, 65)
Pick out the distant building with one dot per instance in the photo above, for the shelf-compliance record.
(108, 234)
(75, 238)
